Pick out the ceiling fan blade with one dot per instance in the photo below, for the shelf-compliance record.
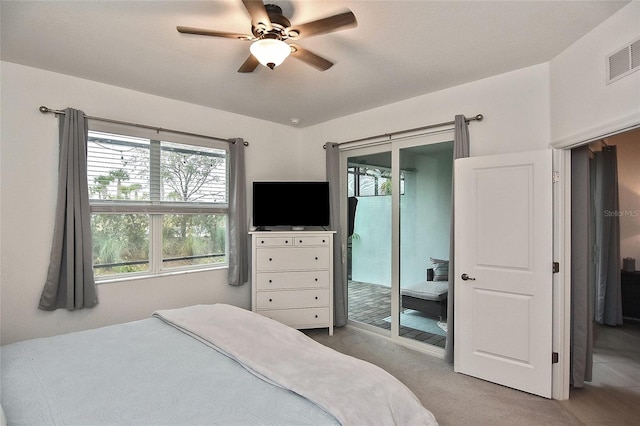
(310, 58)
(205, 32)
(323, 26)
(258, 13)
(249, 65)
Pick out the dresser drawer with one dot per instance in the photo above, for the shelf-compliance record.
(306, 317)
(311, 240)
(298, 258)
(292, 299)
(293, 280)
(279, 241)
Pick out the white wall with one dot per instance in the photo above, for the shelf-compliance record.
(515, 106)
(29, 160)
(582, 105)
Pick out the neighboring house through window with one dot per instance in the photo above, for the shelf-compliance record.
(157, 205)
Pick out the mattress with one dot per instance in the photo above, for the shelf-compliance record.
(427, 290)
(206, 364)
(143, 372)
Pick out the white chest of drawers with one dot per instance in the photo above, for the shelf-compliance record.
(292, 277)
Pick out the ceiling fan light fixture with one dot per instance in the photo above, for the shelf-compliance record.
(270, 52)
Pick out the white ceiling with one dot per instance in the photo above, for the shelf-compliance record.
(400, 49)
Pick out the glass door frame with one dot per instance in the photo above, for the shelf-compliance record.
(395, 145)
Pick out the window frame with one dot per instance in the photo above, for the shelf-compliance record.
(157, 210)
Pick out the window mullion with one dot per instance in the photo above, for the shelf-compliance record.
(155, 255)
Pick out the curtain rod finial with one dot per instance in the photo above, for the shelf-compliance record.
(479, 117)
(43, 109)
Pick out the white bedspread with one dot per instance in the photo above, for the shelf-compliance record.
(354, 391)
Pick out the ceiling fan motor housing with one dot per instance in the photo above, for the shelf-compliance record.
(279, 24)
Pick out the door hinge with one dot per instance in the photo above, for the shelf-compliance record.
(556, 267)
(554, 357)
(555, 177)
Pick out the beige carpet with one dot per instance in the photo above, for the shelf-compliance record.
(455, 399)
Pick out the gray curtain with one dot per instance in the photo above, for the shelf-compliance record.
(608, 297)
(238, 228)
(582, 267)
(70, 284)
(460, 150)
(339, 286)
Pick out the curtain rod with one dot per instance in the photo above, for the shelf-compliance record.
(45, 110)
(478, 117)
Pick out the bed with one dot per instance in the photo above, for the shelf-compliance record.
(428, 297)
(204, 364)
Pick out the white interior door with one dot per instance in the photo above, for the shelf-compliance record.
(504, 244)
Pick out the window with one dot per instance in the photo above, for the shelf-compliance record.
(156, 205)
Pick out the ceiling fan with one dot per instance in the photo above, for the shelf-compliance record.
(269, 31)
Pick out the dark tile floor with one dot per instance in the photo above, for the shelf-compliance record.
(371, 303)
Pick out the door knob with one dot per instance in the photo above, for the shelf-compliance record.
(466, 277)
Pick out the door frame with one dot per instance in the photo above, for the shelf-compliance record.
(561, 340)
(562, 244)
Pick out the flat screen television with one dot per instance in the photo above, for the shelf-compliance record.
(294, 204)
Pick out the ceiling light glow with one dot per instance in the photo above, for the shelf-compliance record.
(270, 52)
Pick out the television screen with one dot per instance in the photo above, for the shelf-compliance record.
(296, 204)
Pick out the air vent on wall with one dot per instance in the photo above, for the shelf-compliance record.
(623, 62)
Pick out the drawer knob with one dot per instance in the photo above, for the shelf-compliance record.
(286, 241)
(270, 281)
(316, 280)
(316, 297)
(262, 242)
(270, 259)
(270, 300)
(324, 241)
(316, 316)
(316, 257)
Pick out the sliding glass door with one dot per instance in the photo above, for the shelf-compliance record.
(397, 209)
